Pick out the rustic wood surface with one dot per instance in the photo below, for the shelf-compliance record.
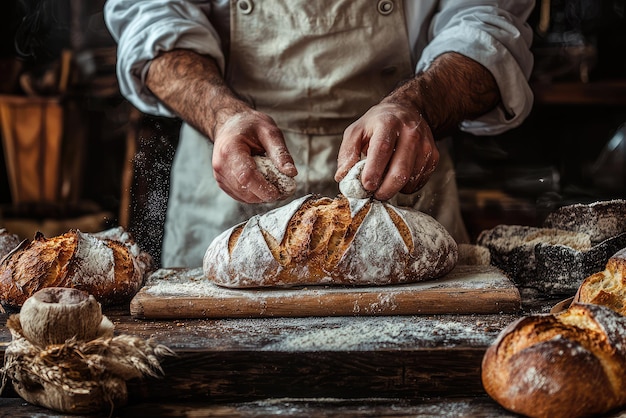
(407, 365)
(185, 293)
(233, 360)
(480, 406)
(477, 407)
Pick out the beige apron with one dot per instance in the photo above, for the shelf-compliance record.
(315, 67)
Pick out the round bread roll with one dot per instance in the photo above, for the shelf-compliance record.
(318, 240)
(53, 315)
(108, 265)
(571, 364)
(286, 185)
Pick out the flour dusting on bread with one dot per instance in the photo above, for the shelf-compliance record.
(318, 240)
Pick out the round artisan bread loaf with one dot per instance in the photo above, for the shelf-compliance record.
(319, 240)
(571, 364)
(108, 265)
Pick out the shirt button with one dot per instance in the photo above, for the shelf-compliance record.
(245, 6)
(385, 7)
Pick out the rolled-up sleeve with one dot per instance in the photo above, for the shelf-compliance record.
(145, 28)
(496, 35)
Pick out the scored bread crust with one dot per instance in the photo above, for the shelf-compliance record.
(570, 364)
(108, 265)
(318, 240)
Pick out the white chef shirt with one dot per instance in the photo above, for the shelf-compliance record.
(493, 33)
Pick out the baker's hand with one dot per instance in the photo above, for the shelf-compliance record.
(401, 152)
(236, 140)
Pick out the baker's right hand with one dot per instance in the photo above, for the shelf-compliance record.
(236, 140)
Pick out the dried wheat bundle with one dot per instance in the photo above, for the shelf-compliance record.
(77, 376)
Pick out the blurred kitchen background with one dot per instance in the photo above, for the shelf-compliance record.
(77, 155)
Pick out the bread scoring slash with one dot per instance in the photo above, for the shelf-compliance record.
(322, 241)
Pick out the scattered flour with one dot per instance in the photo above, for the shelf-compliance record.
(306, 301)
(315, 334)
(435, 407)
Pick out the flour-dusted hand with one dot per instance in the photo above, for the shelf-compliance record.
(285, 184)
(237, 130)
(400, 148)
(398, 134)
(236, 141)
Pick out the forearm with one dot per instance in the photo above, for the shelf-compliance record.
(454, 88)
(192, 86)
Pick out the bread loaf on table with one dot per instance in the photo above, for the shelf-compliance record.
(108, 265)
(319, 240)
(600, 220)
(549, 260)
(570, 364)
(607, 287)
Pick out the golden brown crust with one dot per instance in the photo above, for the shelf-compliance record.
(112, 271)
(570, 364)
(318, 240)
(608, 287)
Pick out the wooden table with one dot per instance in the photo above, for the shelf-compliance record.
(315, 366)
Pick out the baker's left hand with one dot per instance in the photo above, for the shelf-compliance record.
(400, 148)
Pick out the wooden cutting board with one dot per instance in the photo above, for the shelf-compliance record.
(185, 293)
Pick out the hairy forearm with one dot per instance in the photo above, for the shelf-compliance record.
(454, 88)
(192, 86)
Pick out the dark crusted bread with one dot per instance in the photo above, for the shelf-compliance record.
(570, 364)
(551, 261)
(108, 265)
(600, 220)
(319, 240)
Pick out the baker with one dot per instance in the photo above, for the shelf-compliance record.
(316, 86)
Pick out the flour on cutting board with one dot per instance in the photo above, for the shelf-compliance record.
(327, 333)
(186, 282)
(188, 293)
